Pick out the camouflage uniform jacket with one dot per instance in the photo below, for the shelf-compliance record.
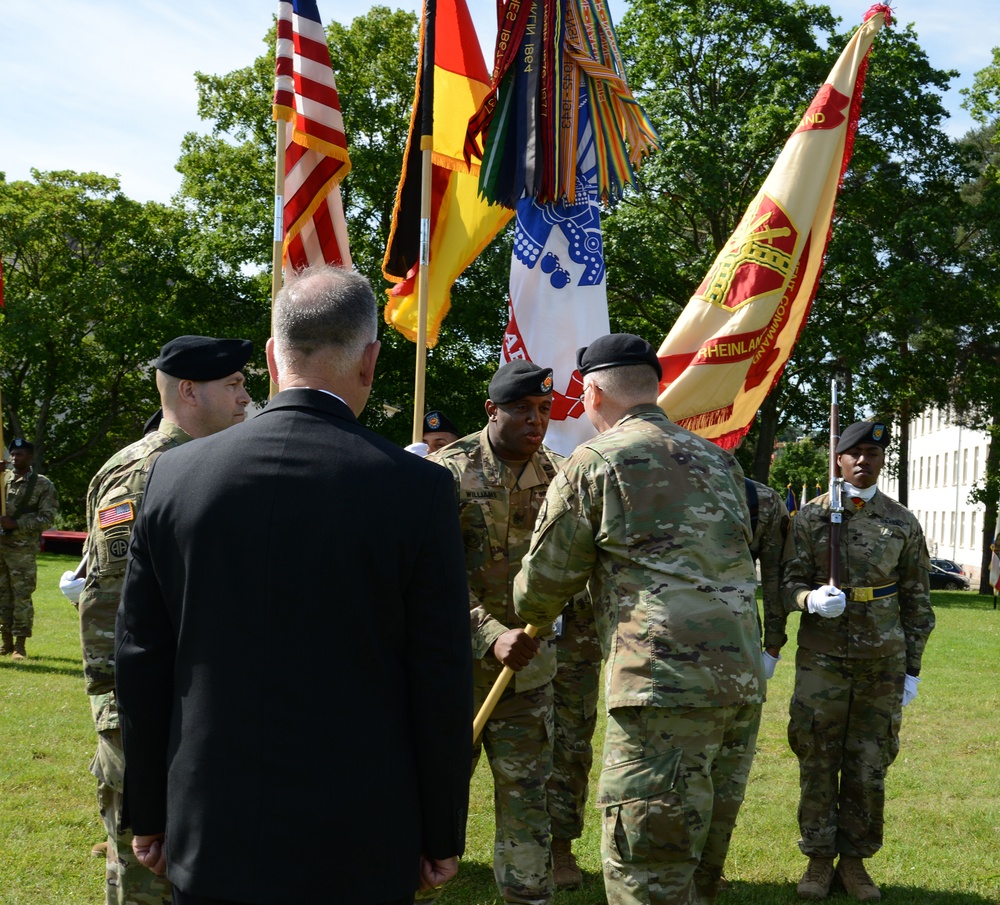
(657, 519)
(114, 499)
(767, 546)
(880, 544)
(497, 509)
(37, 513)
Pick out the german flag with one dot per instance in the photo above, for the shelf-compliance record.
(461, 223)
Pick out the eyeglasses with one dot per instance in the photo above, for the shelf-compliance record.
(585, 387)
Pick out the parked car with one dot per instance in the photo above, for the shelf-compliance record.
(949, 565)
(942, 579)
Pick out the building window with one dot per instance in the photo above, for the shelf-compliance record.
(965, 465)
(937, 471)
(972, 530)
(975, 464)
(945, 469)
(961, 530)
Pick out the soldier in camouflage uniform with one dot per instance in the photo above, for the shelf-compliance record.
(656, 519)
(769, 521)
(575, 692)
(859, 652)
(501, 475)
(201, 392)
(32, 505)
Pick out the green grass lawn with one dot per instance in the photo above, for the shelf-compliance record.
(943, 813)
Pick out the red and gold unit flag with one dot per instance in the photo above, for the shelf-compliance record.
(729, 346)
(316, 158)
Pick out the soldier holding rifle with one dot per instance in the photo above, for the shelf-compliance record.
(866, 616)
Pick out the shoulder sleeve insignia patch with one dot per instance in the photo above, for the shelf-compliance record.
(115, 515)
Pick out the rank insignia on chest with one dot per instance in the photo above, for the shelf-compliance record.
(115, 515)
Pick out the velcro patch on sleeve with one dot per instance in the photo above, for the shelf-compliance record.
(115, 515)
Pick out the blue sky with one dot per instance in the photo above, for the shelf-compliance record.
(108, 86)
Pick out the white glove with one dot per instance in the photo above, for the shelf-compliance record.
(909, 688)
(826, 601)
(419, 449)
(769, 664)
(71, 586)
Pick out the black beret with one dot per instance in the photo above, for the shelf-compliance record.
(519, 378)
(438, 422)
(203, 357)
(21, 443)
(864, 432)
(616, 350)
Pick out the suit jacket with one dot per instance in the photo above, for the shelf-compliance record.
(293, 661)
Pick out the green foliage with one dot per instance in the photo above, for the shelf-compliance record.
(942, 787)
(95, 284)
(982, 100)
(804, 462)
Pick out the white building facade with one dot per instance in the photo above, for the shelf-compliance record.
(946, 462)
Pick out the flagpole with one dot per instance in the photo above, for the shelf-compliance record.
(277, 247)
(499, 686)
(426, 161)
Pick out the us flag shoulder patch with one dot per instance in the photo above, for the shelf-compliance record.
(115, 515)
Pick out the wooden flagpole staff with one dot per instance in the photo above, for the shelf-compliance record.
(499, 686)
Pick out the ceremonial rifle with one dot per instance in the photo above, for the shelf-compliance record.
(836, 489)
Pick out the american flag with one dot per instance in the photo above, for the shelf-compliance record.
(316, 159)
(115, 515)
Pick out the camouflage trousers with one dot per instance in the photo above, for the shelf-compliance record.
(518, 743)
(575, 688)
(127, 881)
(844, 721)
(18, 576)
(671, 787)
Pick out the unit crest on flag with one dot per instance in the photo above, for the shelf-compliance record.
(757, 259)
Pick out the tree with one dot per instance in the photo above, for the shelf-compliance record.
(802, 463)
(227, 190)
(725, 83)
(95, 283)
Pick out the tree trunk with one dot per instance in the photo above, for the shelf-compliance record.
(904, 453)
(990, 497)
(768, 415)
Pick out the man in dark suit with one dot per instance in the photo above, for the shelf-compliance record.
(293, 659)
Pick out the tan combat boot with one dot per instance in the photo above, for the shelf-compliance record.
(7, 647)
(19, 653)
(100, 849)
(565, 871)
(856, 880)
(815, 882)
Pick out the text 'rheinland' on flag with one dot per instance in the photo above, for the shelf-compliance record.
(316, 158)
(728, 347)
